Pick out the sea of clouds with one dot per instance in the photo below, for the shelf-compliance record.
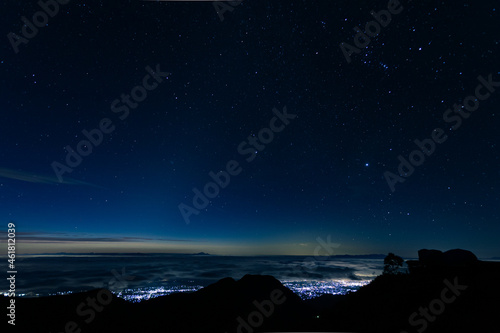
(50, 274)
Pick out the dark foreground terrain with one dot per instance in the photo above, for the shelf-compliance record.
(444, 292)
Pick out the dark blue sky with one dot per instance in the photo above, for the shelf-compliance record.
(321, 175)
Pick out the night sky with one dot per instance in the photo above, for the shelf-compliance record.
(208, 92)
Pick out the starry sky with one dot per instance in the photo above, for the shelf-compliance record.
(216, 83)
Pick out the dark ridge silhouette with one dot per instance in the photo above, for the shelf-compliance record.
(460, 292)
